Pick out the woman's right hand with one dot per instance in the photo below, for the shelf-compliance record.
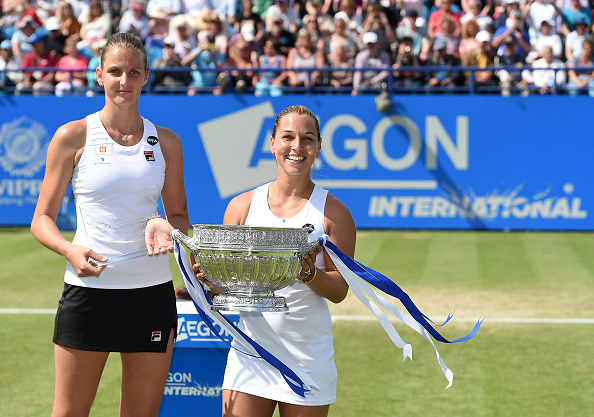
(200, 276)
(84, 261)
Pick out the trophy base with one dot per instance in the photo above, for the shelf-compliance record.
(249, 302)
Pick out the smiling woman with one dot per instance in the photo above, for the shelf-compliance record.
(252, 387)
(118, 165)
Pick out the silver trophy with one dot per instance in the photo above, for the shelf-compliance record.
(249, 263)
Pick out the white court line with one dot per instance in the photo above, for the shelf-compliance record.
(347, 317)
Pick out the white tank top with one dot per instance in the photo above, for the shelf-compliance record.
(305, 330)
(116, 190)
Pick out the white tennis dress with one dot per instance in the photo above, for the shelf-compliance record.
(304, 332)
(116, 190)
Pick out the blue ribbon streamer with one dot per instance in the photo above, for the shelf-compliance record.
(295, 383)
(386, 285)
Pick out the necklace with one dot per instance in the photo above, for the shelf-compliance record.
(124, 137)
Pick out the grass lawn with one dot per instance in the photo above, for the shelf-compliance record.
(509, 369)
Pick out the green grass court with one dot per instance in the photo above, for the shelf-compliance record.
(519, 364)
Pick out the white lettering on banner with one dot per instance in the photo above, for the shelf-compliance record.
(181, 384)
(197, 330)
(435, 134)
(245, 127)
(488, 207)
(18, 188)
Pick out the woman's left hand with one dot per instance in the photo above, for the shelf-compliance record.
(308, 267)
(157, 236)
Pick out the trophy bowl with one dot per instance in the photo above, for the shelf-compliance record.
(248, 262)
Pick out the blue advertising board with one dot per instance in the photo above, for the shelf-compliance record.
(431, 162)
(194, 382)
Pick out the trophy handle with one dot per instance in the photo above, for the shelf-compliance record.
(183, 239)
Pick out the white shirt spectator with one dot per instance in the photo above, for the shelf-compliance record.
(171, 7)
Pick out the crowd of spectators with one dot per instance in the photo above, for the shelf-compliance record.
(272, 47)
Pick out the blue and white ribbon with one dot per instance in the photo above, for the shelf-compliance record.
(299, 381)
(362, 279)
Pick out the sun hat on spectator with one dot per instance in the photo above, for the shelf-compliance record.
(5, 44)
(137, 6)
(52, 23)
(316, 2)
(516, 13)
(369, 37)
(24, 20)
(158, 13)
(512, 2)
(483, 36)
(547, 22)
(205, 18)
(579, 20)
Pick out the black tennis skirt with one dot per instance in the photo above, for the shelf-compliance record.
(106, 320)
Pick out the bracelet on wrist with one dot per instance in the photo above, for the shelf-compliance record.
(311, 274)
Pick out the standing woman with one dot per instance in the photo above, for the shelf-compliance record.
(251, 388)
(114, 160)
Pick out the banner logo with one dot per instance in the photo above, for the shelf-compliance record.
(23, 147)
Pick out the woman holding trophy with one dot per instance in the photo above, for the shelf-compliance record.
(251, 387)
(116, 298)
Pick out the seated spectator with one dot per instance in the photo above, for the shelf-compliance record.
(240, 57)
(69, 24)
(433, 26)
(442, 78)
(159, 27)
(351, 14)
(377, 21)
(581, 80)
(574, 41)
(482, 57)
(302, 56)
(285, 38)
(281, 9)
(12, 11)
(341, 37)
(370, 80)
(21, 38)
(246, 17)
(447, 33)
(515, 28)
(310, 22)
(469, 44)
(9, 61)
(135, 21)
(97, 26)
(536, 11)
(509, 78)
(55, 41)
(340, 76)
(484, 20)
(571, 13)
(546, 38)
(547, 79)
(318, 9)
(407, 58)
(169, 58)
(213, 27)
(39, 81)
(76, 81)
(182, 35)
(501, 18)
(408, 28)
(271, 61)
(206, 55)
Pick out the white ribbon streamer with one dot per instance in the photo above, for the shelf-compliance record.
(365, 292)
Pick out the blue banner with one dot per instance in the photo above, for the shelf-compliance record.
(432, 162)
